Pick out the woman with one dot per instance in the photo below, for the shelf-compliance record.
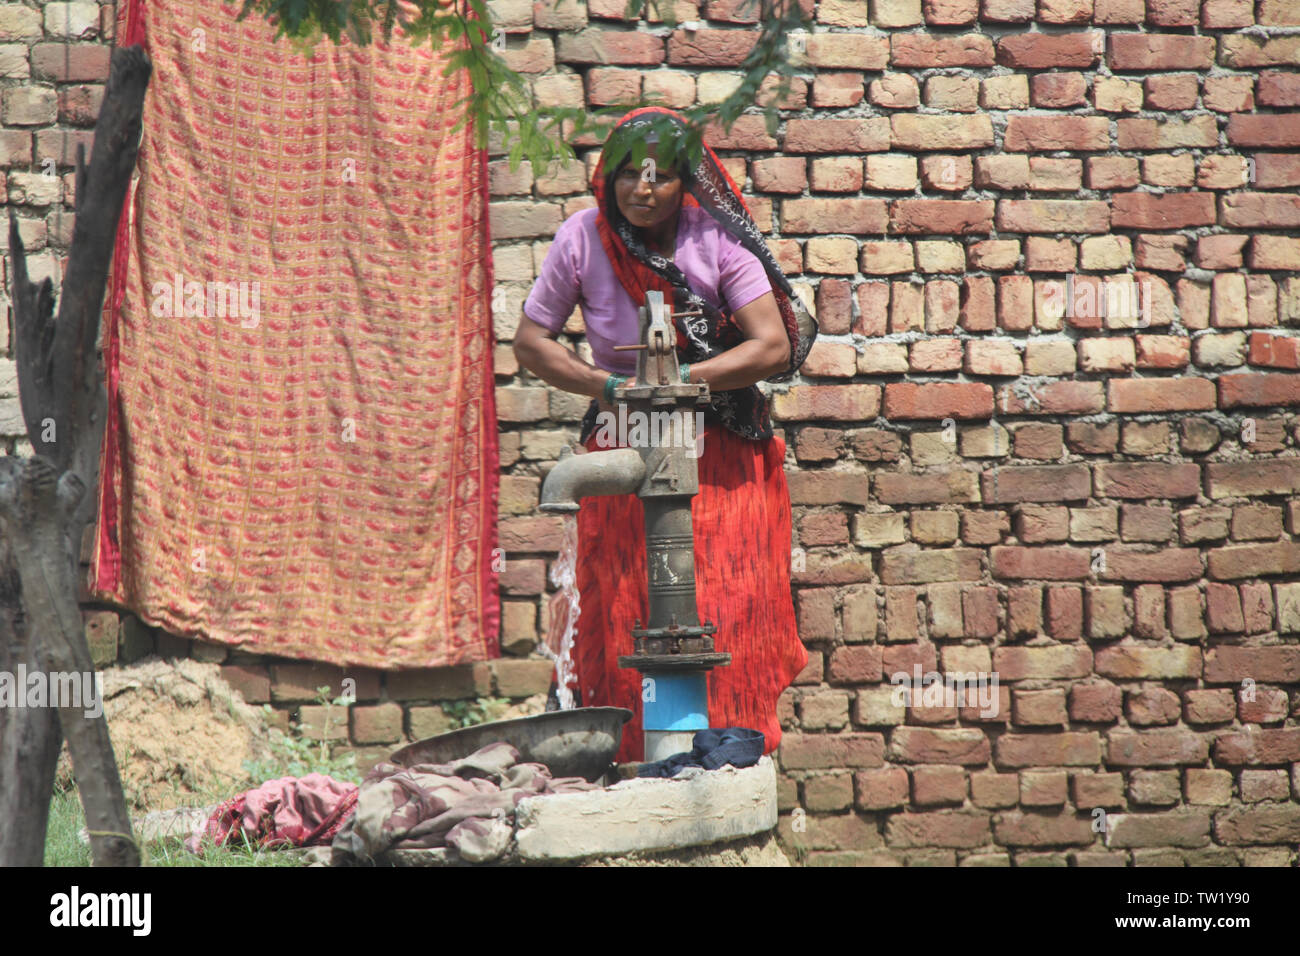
(684, 231)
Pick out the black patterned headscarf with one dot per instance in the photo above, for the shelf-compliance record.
(743, 410)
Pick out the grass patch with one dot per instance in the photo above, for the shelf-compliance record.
(63, 848)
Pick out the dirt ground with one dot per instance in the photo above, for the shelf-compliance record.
(181, 734)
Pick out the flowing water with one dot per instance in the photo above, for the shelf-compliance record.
(564, 609)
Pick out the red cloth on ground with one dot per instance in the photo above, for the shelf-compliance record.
(290, 811)
(741, 519)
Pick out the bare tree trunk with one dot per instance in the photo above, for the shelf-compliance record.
(46, 501)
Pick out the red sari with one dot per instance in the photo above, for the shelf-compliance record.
(741, 519)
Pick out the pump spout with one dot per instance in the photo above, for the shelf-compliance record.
(619, 471)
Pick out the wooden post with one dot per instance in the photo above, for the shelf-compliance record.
(47, 500)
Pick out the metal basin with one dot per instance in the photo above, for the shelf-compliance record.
(571, 743)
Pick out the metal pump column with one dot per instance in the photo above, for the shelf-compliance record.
(674, 651)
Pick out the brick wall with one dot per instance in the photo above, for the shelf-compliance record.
(991, 472)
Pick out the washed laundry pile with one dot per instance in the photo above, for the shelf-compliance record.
(467, 805)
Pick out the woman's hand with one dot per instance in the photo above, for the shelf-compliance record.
(764, 352)
(600, 399)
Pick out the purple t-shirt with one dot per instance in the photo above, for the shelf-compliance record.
(576, 269)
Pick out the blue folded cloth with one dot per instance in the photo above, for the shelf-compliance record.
(711, 749)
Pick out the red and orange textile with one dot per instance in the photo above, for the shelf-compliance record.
(301, 456)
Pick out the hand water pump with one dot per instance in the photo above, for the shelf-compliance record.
(673, 651)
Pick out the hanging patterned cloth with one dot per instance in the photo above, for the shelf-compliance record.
(301, 455)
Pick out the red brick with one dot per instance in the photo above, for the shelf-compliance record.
(920, 50)
(748, 132)
(826, 487)
(1173, 564)
(1275, 88)
(1149, 395)
(1024, 610)
(1254, 560)
(834, 308)
(1257, 607)
(1054, 398)
(1240, 479)
(380, 724)
(1053, 215)
(1160, 51)
(869, 134)
(608, 48)
(1228, 663)
(834, 402)
(1048, 133)
(953, 13)
(70, 62)
(1036, 483)
(531, 534)
(1168, 211)
(1220, 252)
(253, 683)
(1058, 90)
(965, 747)
(1065, 613)
(830, 51)
(1173, 13)
(1096, 703)
(1276, 131)
(1261, 210)
(980, 611)
(816, 216)
(881, 789)
(946, 487)
(1258, 390)
(1278, 351)
(1162, 252)
(819, 751)
(938, 400)
(1112, 172)
(1280, 253)
(946, 217)
(1278, 13)
(1146, 480)
(913, 131)
(1209, 706)
(1173, 91)
(1042, 51)
(855, 665)
(943, 828)
(1118, 11)
(1048, 564)
(1163, 351)
(1159, 748)
(938, 786)
(1072, 749)
(1134, 133)
(1223, 609)
(1007, 11)
(709, 48)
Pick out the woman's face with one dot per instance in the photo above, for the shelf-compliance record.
(648, 195)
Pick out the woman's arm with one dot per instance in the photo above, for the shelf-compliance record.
(538, 350)
(764, 353)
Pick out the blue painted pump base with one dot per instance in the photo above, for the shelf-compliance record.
(675, 701)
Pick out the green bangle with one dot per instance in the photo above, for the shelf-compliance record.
(611, 383)
(686, 372)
